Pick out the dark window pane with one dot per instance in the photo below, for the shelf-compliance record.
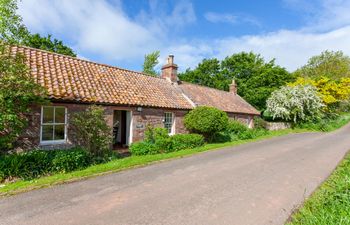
(47, 133)
(59, 115)
(59, 132)
(48, 115)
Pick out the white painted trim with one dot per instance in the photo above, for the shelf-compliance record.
(65, 126)
(172, 132)
(129, 121)
(130, 128)
(189, 100)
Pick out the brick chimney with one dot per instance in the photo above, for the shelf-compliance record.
(169, 70)
(233, 87)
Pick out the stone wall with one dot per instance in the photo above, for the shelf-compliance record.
(30, 139)
(277, 125)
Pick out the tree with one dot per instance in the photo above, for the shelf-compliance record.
(92, 131)
(46, 43)
(206, 120)
(331, 64)
(151, 60)
(13, 31)
(17, 93)
(256, 79)
(207, 73)
(11, 28)
(295, 104)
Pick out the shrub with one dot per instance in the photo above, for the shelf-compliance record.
(155, 133)
(92, 131)
(167, 144)
(299, 103)
(334, 93)
(17, 93)
(26, 165)
(67, 160)
(33, 164)
(143, 148)
(259, 123)
(222, 137)
(236, 127)
(206, 121)
(186, 141)
(251, 134)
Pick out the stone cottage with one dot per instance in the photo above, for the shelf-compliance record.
(132, 100)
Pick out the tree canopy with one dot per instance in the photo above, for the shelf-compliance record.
(13, 31)
(46, 43)
(331, 64)
(151, 60)
(256, 79)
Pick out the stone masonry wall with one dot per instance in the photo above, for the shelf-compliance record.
(30, 138)
(155, 118)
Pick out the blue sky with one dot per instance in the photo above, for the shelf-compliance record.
(120, 32)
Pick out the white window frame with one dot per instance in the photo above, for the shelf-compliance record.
(42, 142)
(172, 131)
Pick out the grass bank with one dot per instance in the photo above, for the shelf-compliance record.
(327, 125)
(330, 204)
(122, 164)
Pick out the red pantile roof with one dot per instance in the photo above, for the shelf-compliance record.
(68, 78)
(71, 79)
(226, 101)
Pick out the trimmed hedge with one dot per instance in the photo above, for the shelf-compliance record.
(167, 144)
(37, 163)
(206, 120)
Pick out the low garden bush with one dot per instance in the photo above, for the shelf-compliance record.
(236, 127)
(66, 160)
(158, 141)
(185, 141)
(251, 134)
(259, 123)
(37, 163)
(143, 148)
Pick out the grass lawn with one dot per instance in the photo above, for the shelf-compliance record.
(330, 204)
(121, 164)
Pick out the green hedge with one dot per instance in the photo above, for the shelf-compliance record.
(166, 144)
(36, 163)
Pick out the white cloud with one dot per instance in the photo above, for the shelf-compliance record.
(103, 29)
(219, 17)
(231, 18)
(291, 49)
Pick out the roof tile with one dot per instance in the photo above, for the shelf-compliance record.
(223, 100)
(68, 78)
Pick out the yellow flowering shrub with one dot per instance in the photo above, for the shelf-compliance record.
(331, 91)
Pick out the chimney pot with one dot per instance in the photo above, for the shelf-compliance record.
(171, 59)
(233, 87)
(169, 70)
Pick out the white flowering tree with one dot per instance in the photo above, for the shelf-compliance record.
(299, 103)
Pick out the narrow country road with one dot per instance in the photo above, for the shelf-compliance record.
(256, 183)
